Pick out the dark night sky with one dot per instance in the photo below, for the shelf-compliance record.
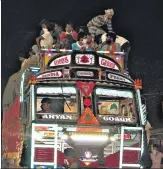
(140, 21)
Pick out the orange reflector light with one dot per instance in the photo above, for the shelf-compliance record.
(138, 84)
(41, 128)
(89, 130)
(49, 134)
(88, 118)
(32, 79)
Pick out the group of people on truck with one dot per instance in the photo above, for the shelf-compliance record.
(93, 38)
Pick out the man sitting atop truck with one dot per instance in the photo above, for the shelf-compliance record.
(82, 43)
(46, 39)
(68, 37)
(111, 46)
(125, 46)
(95, 24)
(69, 31)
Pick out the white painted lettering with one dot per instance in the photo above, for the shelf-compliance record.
(116, 119)
(85, 73)
(64, 60)
(62, 117)
(111, 119)
(50, 74)
(105, 118)
(51, 116)
(128, 120)
(107, 63)
(59, 117)
(118, 78)
(45, 116)
(68, 117)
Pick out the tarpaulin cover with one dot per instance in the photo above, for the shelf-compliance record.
(13, 86)
(11, 128)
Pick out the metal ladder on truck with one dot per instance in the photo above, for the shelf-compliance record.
(33, 145)
(122, 147)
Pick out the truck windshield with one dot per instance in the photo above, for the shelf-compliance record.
(56, 99)
(115, 102)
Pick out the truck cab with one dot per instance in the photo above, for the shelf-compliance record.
(95, 112)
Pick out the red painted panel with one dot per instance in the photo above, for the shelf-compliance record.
(11, 126)
(44, 155)
(113, 159)
(47, 155)
(14, 137)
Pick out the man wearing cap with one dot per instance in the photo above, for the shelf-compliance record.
(95, 24)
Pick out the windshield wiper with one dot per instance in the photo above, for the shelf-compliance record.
(65, 99)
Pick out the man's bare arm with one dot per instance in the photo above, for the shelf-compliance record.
(38, 41)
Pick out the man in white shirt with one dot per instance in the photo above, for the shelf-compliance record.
(46, 39)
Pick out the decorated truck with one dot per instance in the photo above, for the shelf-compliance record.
(80, 102)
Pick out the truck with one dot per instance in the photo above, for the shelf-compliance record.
(96, 118)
